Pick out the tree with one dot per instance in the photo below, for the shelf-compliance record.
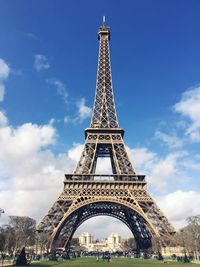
(194, 228)
(189, 237)
(24, 231)
(129, 244)
(7, 243)
(2, 239)
(42, 242)
(75, 245)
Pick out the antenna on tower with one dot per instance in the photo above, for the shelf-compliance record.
(104, 20)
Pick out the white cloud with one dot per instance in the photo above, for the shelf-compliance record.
(41, 62)
(172, 141)
(83, 111)
(66, 119)
(4, 69)
(159, 171)
(60, 87)
(192, 162)
(4, 73)
(3, 119)
(24, 140)
(164, 171)
(189, 106)
(31, 175)
(179, 205)
(141, 157)
(103, 166)
(75, 152)
(52, 121)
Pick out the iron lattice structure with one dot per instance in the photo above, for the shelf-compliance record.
(123, 194)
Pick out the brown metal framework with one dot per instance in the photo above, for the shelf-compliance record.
(123, 194)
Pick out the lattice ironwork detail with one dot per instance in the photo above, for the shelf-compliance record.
(102, 145)
(104, 114)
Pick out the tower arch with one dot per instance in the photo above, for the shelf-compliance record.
(122, 210)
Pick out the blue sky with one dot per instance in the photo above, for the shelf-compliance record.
(48, 64)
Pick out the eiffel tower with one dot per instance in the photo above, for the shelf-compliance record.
(122, 194)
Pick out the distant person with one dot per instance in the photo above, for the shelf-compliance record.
(108, 258)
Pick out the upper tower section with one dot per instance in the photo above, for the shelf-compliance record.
(104, 113)
(104, 32)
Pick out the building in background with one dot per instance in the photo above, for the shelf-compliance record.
(86, 239)
(169, 251)
(112, 243)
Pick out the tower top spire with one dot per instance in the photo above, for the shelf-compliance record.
(104, 20)
(104, 29)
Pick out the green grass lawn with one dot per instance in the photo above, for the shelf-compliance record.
(91, 262)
